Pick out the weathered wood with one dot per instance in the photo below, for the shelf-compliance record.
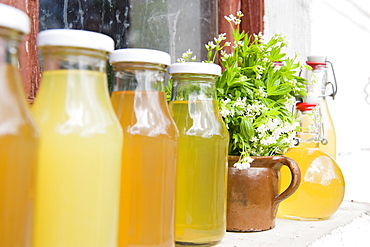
(29, 64)
(254, 11)
(225, 8)
(252, 22)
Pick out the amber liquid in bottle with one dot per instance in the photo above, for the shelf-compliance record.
(18, 155)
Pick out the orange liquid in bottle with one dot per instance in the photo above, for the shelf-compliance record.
(18, 155)
(322, 186)
(148, 169)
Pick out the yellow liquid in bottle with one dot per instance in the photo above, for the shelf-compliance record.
(18, 157)
(79, 166)
(148, 169)
(201, 173)
(322, 186)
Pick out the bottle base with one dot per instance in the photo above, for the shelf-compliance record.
(291, 217)
(183, 244)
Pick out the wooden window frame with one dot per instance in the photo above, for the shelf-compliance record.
(253, 10)
(252, 22)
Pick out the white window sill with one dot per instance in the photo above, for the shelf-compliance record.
(349, 226)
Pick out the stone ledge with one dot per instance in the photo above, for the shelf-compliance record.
(349, 226)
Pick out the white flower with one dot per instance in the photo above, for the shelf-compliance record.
(242, 166)
(265, 60)
(254, 139)
(240, 102)
(225, 112)
(234, 19)
(237, 21)
(210, 45)
(262, 128)
(282, 38)
(187, 54)
(181, 60)
(262, 92)
(239, 14)
(221, 37)
(272, 124)
(260, 36)
(225, 55)
(249, 159)
(225, 101)
(290, 128)
(237, 44)
(278, 131)
(270, 140)
(259, 67)
(244, 163)
(229, 18)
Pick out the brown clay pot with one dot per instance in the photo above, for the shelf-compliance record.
(252, 194)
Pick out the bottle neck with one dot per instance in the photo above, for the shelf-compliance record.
(316, 84)
(130, 76)
(9, 43)
(68, 58)
(309, 127)
(193, 87)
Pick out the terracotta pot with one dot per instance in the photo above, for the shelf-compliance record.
(252, 194)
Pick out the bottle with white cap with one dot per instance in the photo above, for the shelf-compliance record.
(317, 92)
(78, 176)
(18, 136)
(149, 154)
(203, 152)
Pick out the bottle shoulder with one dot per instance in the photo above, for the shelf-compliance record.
(14, 111)
(198, 118)
(308, 152)
(75, 102)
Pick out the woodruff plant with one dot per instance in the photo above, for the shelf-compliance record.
(256, 97)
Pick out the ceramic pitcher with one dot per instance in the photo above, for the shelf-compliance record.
(253, 197)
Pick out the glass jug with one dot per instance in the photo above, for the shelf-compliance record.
(81, 142)
(18, 136)
(150, 148)
(317, 79)
(202, 160)
(322, 184)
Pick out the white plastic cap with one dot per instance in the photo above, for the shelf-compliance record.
(319, 59)
(140, 55)
(14, 18)
(75, 38)
(195, 68)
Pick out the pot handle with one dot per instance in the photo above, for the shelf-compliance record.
(296, 179)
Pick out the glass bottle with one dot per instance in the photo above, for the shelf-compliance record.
(81, 142)
(322, 184)
(150, 148)
(18, 136)
(203, 150)
(317, 93)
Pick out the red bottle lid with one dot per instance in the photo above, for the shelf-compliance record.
(306, 106)
(316, 62)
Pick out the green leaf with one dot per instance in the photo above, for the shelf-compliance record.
(281, 90)
(246, 128)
